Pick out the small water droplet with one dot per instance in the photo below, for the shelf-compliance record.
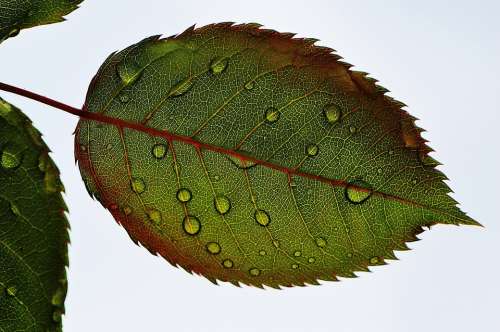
(222, 204)
(216, 178)
(11, 157)
(154, 215)
(138, 185)
(276, 243)
(254, 272)
(374, 260)
(11, 291)
(191, 225)
(321, 242)
(379, 171)
(297, 253)
(295, 266)
(249, 85)
(213, 248)
(60, 294)
(218, 65)
(332, 113)
(181, 88)
(262, 252)
(262, 217)
(241, 162)
(352, 129)
(124, 98)
(312, 150)
(311, 260)
(184, 195)
(159, 150)
(227, 263)
(127, 210)
(272, 114)
(358, 191)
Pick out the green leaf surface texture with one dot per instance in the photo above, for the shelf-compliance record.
(33, 229)
(248, 156)
(16, 15)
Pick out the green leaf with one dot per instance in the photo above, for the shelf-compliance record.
(21, 14)
(247, 156)
(33, 229)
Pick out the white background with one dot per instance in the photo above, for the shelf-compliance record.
(439, 57)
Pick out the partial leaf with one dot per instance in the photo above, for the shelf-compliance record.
(21, 14)
(33, 229)
(247, 156)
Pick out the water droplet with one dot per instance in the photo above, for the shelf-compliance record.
(262, 252)
(127, 210)
(191, 225)
(124, 98)
(184, 195)
(129, 71)
(227, 263)
(374, 260)
(311, 260)
(56, 315)
(332, 113)
(218, 65)
(241, 163)
(272, 114)
(321, 242)
(11, 158)
(312, 150)
(222, 204)
(352, 129)
(254, 272)
(138, 185)
(154, 215)
(181, 88)
(60, 294)
(159, 150)
(249, 85)
(295, 266)
(298, 253)
(358, 191)
(11, 291)
(262, 217)
(216, 178)
(276, 243)
(379, 171)
(213, 248)
(15, 209)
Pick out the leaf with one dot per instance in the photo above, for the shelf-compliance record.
(247, 156)
(33, 229)
(21, 14)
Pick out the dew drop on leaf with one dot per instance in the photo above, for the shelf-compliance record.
(227, 263)
(181, 88)
(262, 252)
(311, 259)
(128, 71)
(222, 204)
(272, 114)
(352, 129)
(213, 248)
(321, 242)
(255, 272)
(358, 191)
(262, 217)
(191, 225)
(159, 151)
(374, 260)
(11, 158)
(312, 150)
(138, 185)
(11, 291)
(154, 215)
(184, 195)
(332, 113)
(218, 65)
(295, 266)
(297, 253)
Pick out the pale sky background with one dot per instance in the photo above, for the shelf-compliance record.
(442, 58)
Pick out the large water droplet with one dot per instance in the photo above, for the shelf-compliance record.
(249, 85)
(213, 248)
(227, 263)
(218, 65)
(184, 195)
(272, 114)
(312, 150)
(254, 272)
(241, 162)
(11, 157)
(321, 242)
(181, 88)
(191, 225)
(297, 253)
(159, 150)
(332, 113)
(138, 185)
(262, 217)
(222, 204)
(154, 215)
(358, 191)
